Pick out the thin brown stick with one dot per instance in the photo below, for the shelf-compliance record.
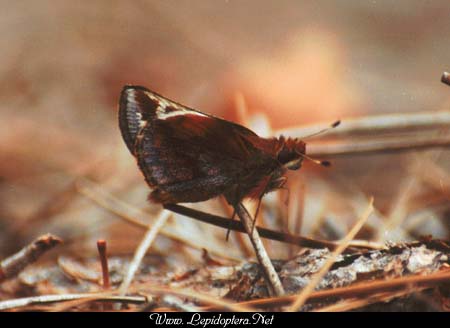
(123, 210)
(172, 301)
(143, 247)
(306, 292)
(272, 279)
(213, 301)
(445, 78)
(101, 246)
(355, 303)
(42, 299)
(359, 289)
(239, 227)
(377, 146)
(12, 265)
(375, 125)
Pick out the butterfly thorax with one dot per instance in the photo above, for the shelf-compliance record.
(280, 154)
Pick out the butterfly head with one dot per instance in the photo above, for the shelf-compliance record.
(292, 153)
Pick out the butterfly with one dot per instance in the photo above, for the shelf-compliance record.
(189, 156)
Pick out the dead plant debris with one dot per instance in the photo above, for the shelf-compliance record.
(402, 273)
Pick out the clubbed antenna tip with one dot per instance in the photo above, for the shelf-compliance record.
(316, 161)
(335, 124)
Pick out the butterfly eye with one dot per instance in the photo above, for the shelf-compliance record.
(285, 156)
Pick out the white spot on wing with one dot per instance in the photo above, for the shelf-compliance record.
(152, 97)
(131, 96)
(161, 112)
(164, 115)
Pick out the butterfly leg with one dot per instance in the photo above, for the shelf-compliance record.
(229, 226)
(269, 185)
(255, 216)
(235, 200)
(282, 186)
(264, 190)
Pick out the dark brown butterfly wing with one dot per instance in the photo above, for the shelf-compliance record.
(184, 154)
(134, 110)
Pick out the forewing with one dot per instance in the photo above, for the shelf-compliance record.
(135, 109)
(185, 154)
(137, 105)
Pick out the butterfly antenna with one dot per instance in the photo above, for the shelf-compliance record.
(332, 126)
(316, 161)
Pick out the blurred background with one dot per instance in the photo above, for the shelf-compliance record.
(266, 64)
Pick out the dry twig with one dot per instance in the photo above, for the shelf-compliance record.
(142, 249)
(101, 246)
(216, 303)
(272, 279)
(238, 226)
(355, 303)
(176, 303)
(376, 125)
(306, 292)
(42, 299)
(374, 146)
(402, 132)
(27, 255)
(360, 289)
(123, 210)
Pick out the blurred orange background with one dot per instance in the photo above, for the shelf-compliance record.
(63, 64)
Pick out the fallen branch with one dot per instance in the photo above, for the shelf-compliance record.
(12, 265)
(101, 246)
(355, 303)
(212, 301)
(376, 125)
(359, 289)
(178, 304)
(271, 276)
(142, 249)
(22, 302)
(226, 223)
(377, 146)
(123, 210)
